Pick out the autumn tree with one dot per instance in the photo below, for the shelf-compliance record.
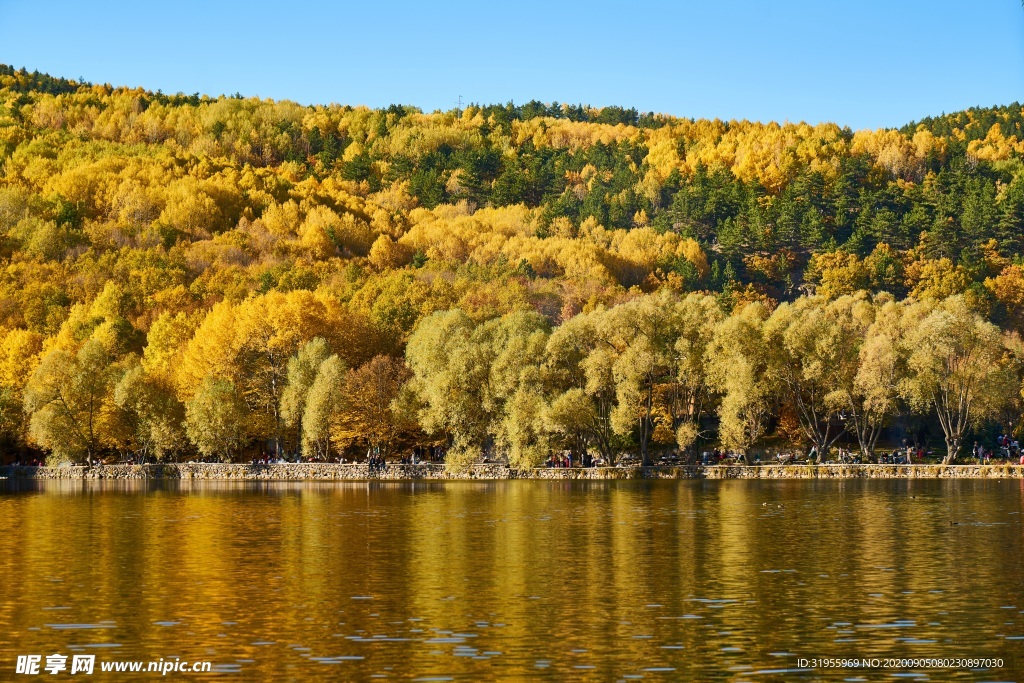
(215, 419)
(368, 414)
(642, 336)
(568, 419)
(155, 414)
(465, 375)
(450, 375)
(813, 357)
(302, 373)
(578, 371)
(19, 356)
(322, 410)
(659, 344)
(881, 372)
(69, 397)
(690, 391)
(957, 366)
(740, 371)
(516, 388)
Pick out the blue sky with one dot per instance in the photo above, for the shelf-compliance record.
(869, 63)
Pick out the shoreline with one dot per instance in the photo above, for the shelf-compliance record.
(422, 472)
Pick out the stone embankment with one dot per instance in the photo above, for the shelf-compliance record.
(396, 472)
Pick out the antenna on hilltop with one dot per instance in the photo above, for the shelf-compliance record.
(459, 105)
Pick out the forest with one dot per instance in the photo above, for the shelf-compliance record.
(187, 276)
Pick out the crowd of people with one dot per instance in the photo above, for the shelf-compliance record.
(563, 461)
(719, 457)
(30, 462)
(1007, 449)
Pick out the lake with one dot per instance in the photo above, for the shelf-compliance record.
(553, 580)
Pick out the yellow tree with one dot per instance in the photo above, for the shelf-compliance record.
(1008, 290)
(302, 373)
(19, 356)
(249, 345)
(881, 372)
(270, 330)
(215, 419)
(69, 397)
(578, 367)
(689, 391)
(958, 366)
(152, 410)
(642, 335)
(813, 352)
(322, 412)
(740, 371)
(368, 412)
(465, 375)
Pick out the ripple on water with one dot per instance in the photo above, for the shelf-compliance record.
(895, 624)
(74, 627)
(338, 659)
(226, 668)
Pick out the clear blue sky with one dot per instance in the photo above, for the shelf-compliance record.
(864, 63)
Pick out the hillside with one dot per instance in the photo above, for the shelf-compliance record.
(133, 219)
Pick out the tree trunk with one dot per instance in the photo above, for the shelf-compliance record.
(646, 427)
(952, 450)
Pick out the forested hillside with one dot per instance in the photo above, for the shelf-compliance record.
(232, 276)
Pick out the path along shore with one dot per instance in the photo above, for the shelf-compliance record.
(396, 472)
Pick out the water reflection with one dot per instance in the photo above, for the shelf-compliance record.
(692, 580)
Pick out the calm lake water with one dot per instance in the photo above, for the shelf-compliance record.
(671, 580)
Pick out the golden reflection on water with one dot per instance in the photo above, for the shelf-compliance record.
(691, 580)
